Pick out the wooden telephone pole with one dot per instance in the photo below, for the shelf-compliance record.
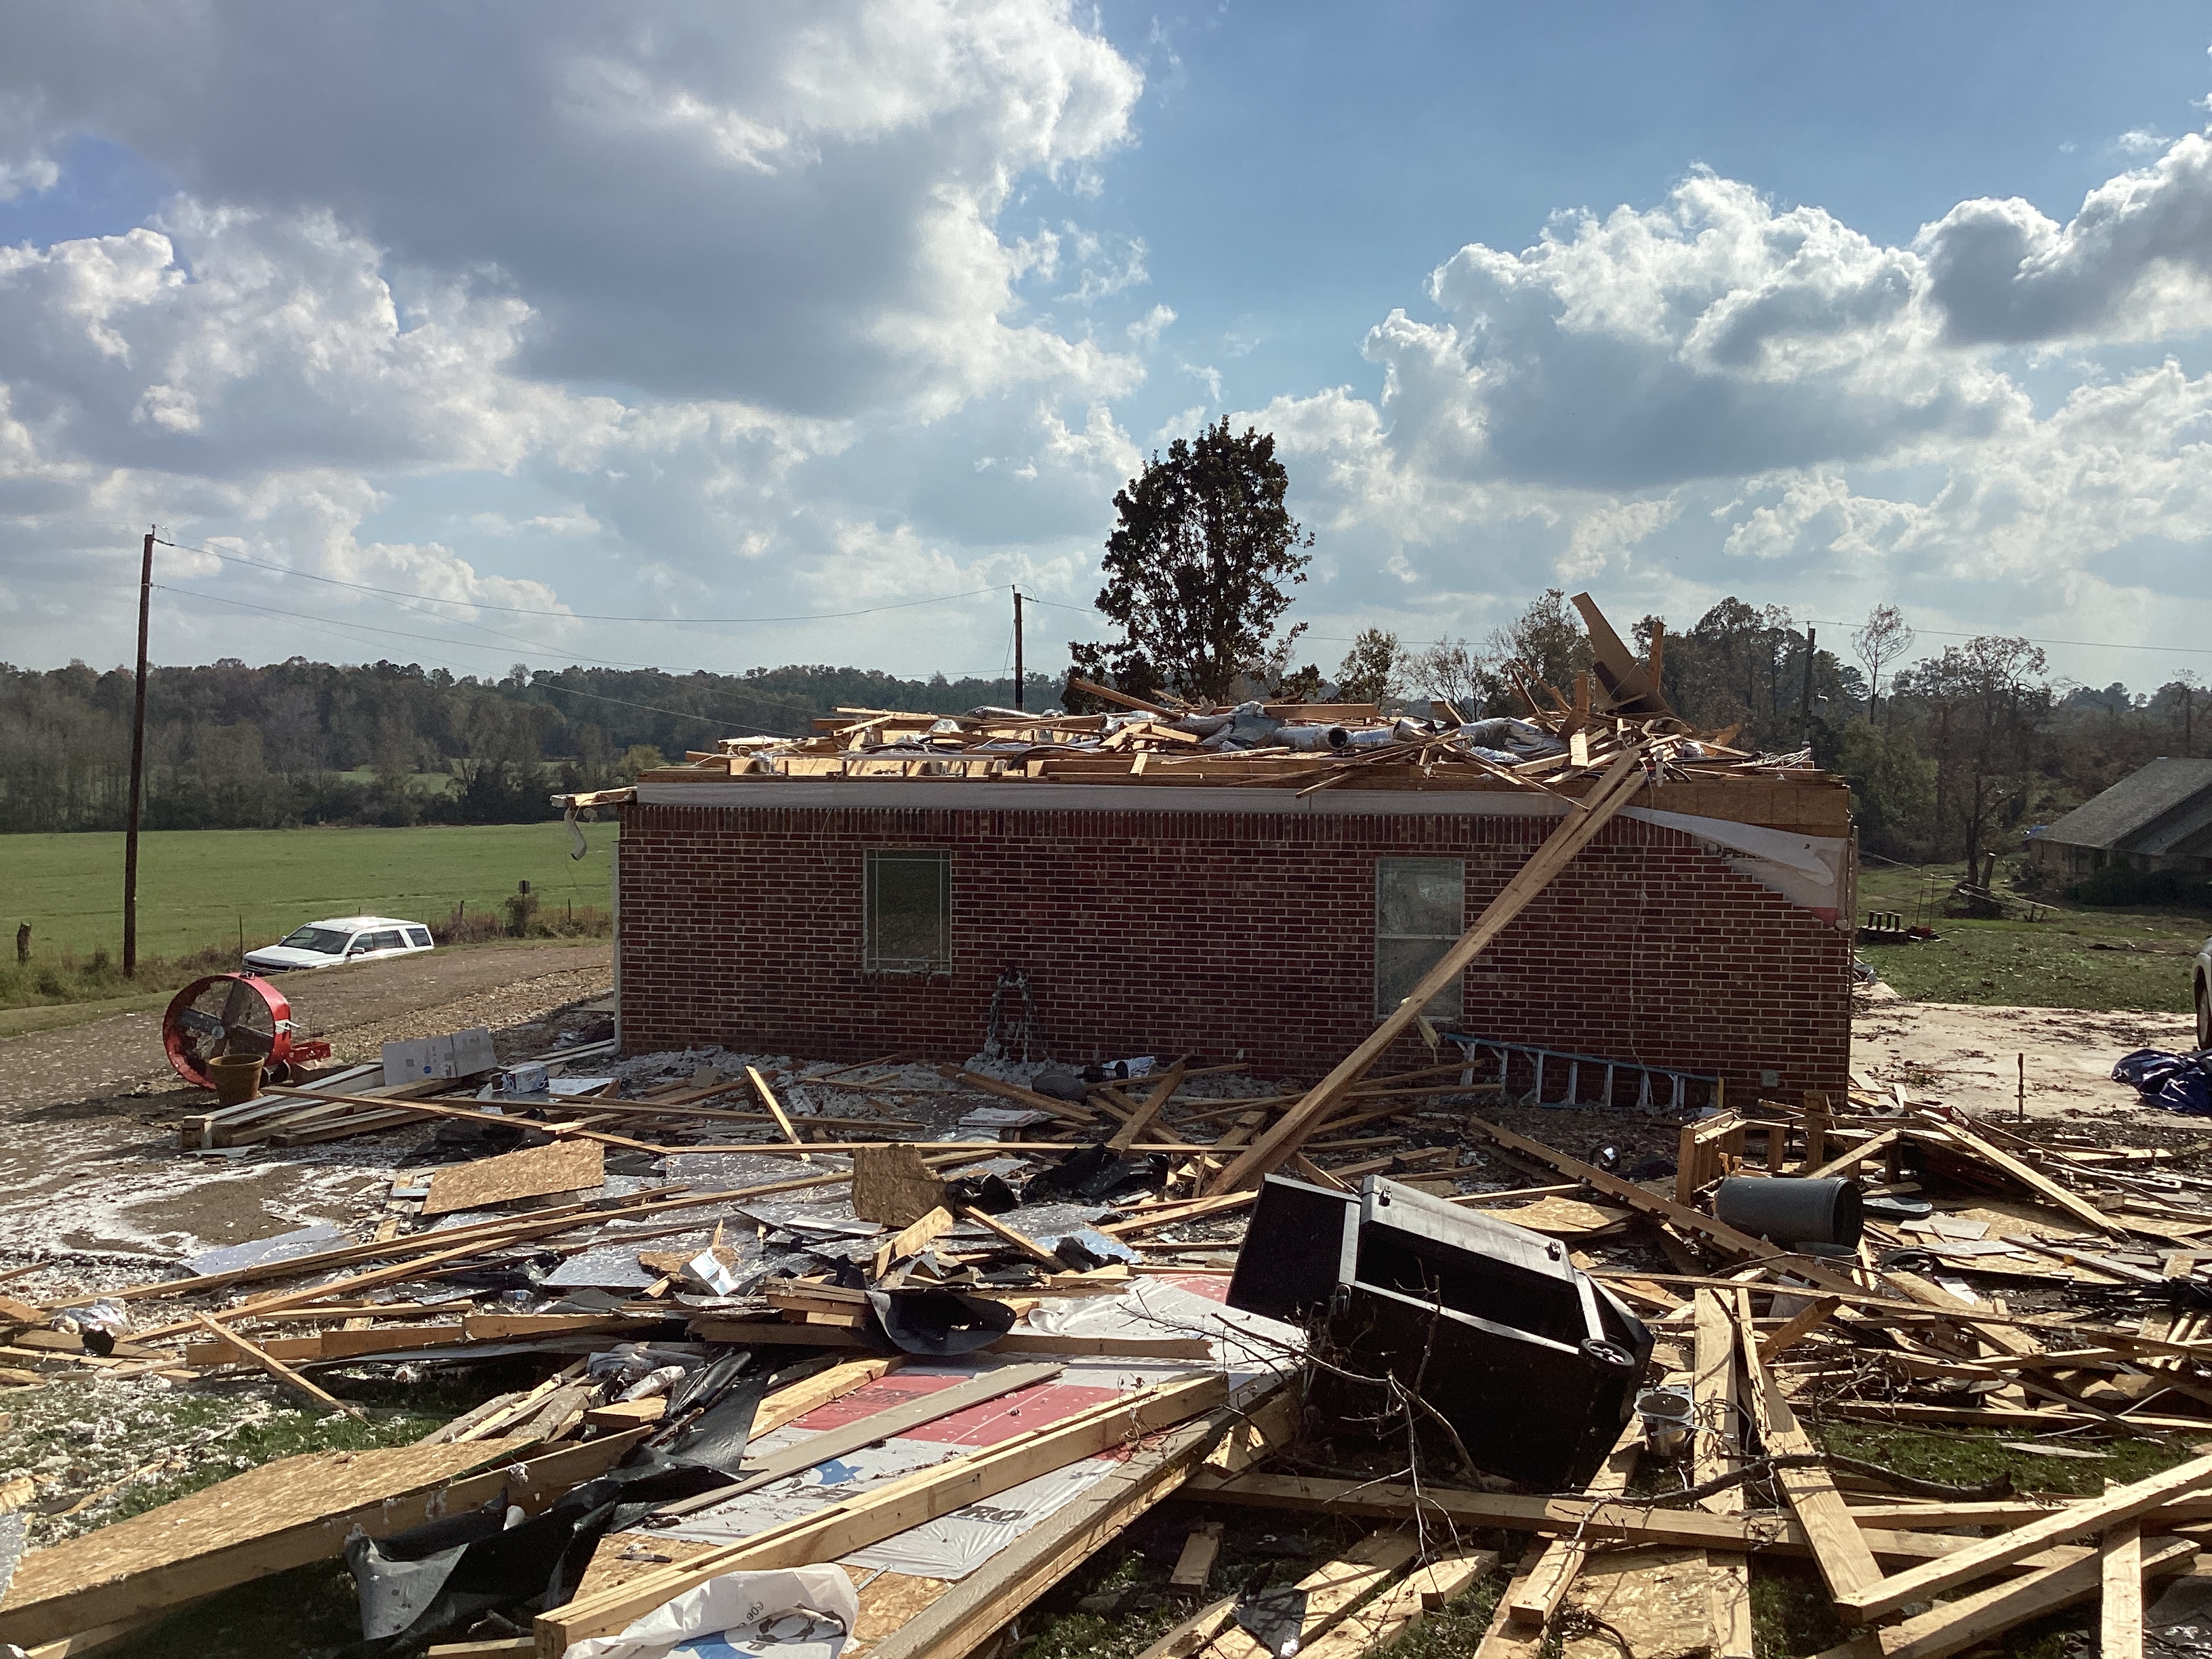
(137, 773)
(1018, 649)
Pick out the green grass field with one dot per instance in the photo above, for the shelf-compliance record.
(201, 887)
(2077, 957)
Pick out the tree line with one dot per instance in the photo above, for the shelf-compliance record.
(1953, 758)
(231, 747)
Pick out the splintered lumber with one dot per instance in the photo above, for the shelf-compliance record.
(1535, 1596)
(775, 1109)
(961, 1620)
(1331, 1591)
(1584, 820)
(2116, 1507)
(1404, 1604)
(2120, 1617)
(1126, 1136)
(268, 1520)
(926, 1228)
(1504, 1639)
(1838, 1547)
(1951, 1627)
(890, 1508)
(892, 1185)
(1796, 1327)
(2042, 1186)
(1716, 1448)
(1021, 1240)
(567, 1165)
(282, 1372)
(1631, 687)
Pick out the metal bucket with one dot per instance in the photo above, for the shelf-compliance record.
(1665, 1414)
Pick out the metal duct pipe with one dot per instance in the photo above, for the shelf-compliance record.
(1791, 1210)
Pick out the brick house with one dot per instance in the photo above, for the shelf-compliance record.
(1707, 928)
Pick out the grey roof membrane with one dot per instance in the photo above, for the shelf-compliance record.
(2133, 805)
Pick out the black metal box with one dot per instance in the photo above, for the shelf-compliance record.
(1533, 1362)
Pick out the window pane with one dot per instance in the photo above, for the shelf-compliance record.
(1419, 898)
(1420, 909)
(909, 920)
(1399, 965)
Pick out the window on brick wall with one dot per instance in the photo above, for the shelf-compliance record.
(1421, 908)
(909, 913)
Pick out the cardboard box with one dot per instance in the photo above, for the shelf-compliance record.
(458, 1055)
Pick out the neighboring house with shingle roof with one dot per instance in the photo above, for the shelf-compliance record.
(2158, 818)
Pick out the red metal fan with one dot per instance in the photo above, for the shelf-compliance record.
(234, 1014)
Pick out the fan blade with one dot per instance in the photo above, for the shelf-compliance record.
(193, 1020)
(239, 1003)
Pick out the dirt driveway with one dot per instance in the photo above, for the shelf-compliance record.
(85, 1113)
(1970, 1057)
(358, 1008)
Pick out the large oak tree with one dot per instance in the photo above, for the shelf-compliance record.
(1199, 569)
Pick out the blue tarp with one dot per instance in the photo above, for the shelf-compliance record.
(2178, 1083)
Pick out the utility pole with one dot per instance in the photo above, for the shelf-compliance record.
(1018, 649)
(137, 773)
(1812, 635)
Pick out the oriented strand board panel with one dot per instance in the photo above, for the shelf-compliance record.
(563, 1166)
(188, 1539)
(1655, 1598)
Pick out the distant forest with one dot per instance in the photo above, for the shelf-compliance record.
(1960, 750)
(230, 747)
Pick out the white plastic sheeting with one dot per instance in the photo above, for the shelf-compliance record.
(742, 1612)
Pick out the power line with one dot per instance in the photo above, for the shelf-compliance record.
(574, 616)
(2083, 644)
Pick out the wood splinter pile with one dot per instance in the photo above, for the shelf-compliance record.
(1562, 737)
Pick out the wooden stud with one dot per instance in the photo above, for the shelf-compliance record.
(1845, 1562)
(1796, 1327)
(1620, 783)
(1948, 1627)
(775, 1109)
(2116, 1507)
(2120, 1618)
(1194, 1566)
(282, 1372)
(1717, 1389)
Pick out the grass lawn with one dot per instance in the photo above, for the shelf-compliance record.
(2077, 957)
(202, 887)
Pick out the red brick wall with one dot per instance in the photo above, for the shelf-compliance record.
(1150, 932)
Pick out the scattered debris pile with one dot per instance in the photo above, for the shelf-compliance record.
(772, 1338)
(1562, 736)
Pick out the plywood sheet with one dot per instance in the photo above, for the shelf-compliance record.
(1656, 1599)
(1564, 1218)
(291, 1492)
(563, 1166)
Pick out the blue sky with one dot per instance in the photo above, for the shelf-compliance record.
(730, 317)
